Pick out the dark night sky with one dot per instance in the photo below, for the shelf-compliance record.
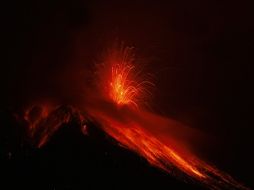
(200, 53)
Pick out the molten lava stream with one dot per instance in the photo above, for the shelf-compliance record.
(132, 135)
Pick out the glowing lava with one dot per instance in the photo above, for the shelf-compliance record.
(152, 136)
(124, 90)
(131, 134)
(129, 127)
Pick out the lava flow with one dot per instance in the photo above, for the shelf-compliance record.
(135, 129)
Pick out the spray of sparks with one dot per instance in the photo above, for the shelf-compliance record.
(120, 80)
(123, 90)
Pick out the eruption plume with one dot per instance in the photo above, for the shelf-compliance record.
(119, 79)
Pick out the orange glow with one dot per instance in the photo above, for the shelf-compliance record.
(122, 89)
(156, 152)
(168, 157)
(127, 126)
(119, 79)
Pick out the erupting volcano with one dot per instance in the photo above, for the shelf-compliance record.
(127, 94)
(119, 109)
(128, 126)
